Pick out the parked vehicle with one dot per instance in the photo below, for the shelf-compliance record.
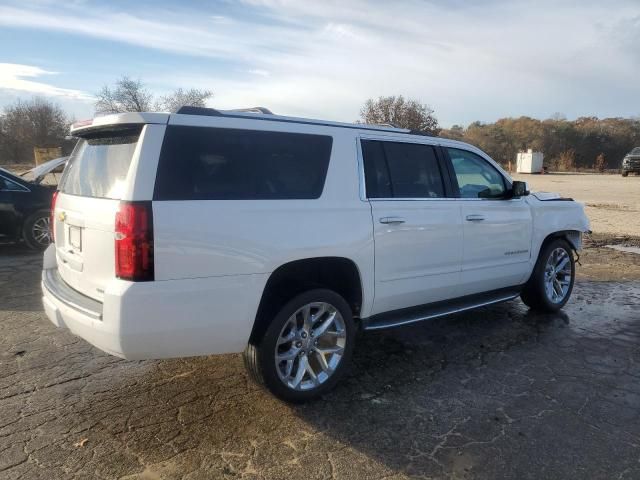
(631, 162)
(25, 204)
(212, 231)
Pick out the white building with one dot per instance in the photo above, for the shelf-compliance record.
(529, 162)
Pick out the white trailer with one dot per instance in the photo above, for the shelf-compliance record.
(529, 162)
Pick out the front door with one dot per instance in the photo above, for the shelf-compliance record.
(497, 230)
(417, 228)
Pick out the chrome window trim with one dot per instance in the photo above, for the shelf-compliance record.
(444, 199)
(22, 187)
(423, 141)
(362, 187)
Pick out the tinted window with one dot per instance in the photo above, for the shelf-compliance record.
(476, 177)
(99, 164)
(7, 185)
(376, 172)
(401, 170)
(199, 163)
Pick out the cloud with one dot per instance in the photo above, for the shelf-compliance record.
(16, 77)
(470, 61)
(259, 72)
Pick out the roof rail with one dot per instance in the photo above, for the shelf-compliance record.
(269, 116)
(212, 112)
(266, 111)
(189, 110)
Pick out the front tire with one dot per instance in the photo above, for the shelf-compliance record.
(35, 231)
(625, 173)
(307, 347)
(551, 282)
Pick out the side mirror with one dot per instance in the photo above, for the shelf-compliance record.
(519, 189)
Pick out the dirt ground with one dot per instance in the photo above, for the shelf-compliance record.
(612, 201)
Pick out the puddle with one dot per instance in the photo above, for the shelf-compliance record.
(625, 249)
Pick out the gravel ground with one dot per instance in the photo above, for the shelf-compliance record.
(612, 202)
(495, 393)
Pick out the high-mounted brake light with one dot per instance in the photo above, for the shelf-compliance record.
(52, 216)
(134, 241)
(82, 123)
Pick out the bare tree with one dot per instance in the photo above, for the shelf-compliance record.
(129, 95)
(401, 112)
(126, 96)
(34, 123)
(179, 98)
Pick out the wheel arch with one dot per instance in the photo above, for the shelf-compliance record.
(339, 274)
(573, 237)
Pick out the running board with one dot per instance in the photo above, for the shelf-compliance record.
(438, 309)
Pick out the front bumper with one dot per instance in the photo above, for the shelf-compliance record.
(631, 165)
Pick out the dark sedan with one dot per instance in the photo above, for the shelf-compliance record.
(24, 207)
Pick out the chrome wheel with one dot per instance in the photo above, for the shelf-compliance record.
(557, 275)
(310, 346)
(40, 231)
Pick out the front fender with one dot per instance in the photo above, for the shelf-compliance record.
(564, 217)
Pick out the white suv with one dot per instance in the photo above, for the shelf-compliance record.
(213, 231)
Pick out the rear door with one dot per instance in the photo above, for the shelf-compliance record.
(92, 185)
(497, 229)
(417, 226)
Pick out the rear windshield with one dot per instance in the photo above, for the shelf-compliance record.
(99, 164)
(199, 163)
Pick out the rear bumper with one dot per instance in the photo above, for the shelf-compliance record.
(161, 319)
(83, 316)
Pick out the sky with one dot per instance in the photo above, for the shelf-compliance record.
(469, 60)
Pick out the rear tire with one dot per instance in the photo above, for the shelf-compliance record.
(35, 231)
(551, 282)
(306, 348)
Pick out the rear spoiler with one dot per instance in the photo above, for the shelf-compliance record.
(130, 118)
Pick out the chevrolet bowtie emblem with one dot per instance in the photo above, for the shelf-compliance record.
(62, 216)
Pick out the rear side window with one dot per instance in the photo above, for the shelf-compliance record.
(401, 170)
(7, 185)
(99, 164)
(199, 163)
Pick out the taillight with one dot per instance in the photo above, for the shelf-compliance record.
(52, 216)
(134, 241)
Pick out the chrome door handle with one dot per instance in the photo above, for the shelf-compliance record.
(475, 218)
(392, 220)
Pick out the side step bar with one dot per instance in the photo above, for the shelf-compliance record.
(438, 309)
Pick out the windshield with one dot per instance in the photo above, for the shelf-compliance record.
(635, 151)
(99, 164)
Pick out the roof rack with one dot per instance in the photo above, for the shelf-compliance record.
(265, 114)
(266, 111)
(212, 112)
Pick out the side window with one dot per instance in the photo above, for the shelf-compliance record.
(401, 170)
(376, 172)
(476, 177)
(199, 163)
(7, 185)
